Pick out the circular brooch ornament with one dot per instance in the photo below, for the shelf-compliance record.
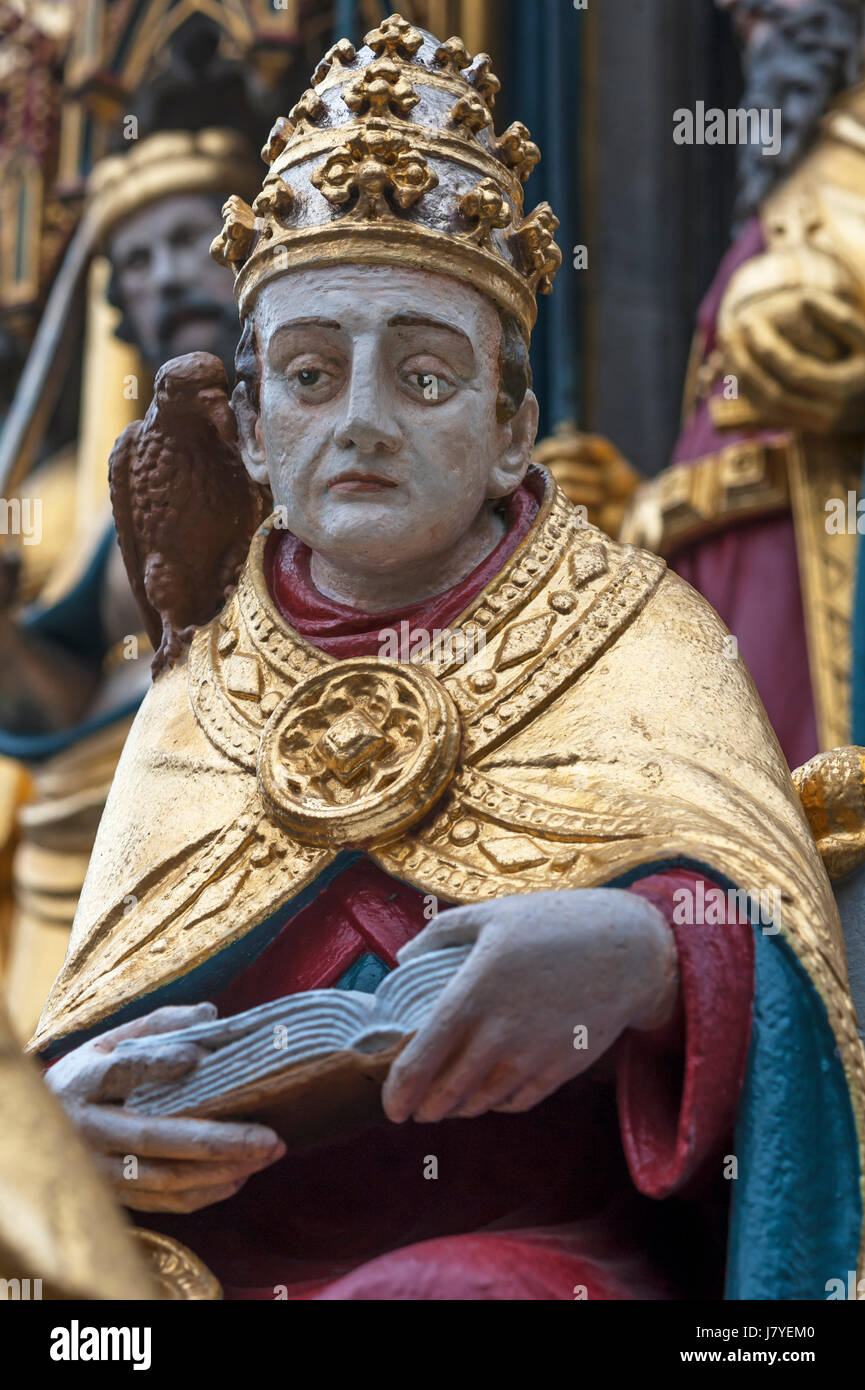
(359, 752)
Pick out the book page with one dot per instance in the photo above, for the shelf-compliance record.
(409, 993)
(298, 1028)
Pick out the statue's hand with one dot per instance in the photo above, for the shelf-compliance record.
(800, 359)
(503, 1034)
(592, 473)
(181, 1165)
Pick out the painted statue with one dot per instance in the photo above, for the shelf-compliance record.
(774, 423)
(627, 1093)
(78, 661)
(61, 1235)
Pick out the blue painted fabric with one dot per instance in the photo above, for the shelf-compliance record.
(796, 1205)
(857, 710)
(75, 624)
(796, 1211)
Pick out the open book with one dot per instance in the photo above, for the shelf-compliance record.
(311, 1065)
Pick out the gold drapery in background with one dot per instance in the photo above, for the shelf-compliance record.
(58, 1223)
(114, 384)
(55, 831)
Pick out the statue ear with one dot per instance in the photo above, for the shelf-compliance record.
(514, 458)
(249, 435)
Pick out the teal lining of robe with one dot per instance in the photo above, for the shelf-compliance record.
(796, 1210)
(796, 1205)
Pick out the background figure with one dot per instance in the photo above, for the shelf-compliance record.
(774, 417)
(77, 662)
(136, 286)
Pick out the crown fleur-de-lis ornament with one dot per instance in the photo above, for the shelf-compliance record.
(382, 89)
(484, 80)
(516, 148)
(343, 53)
(232, 245)
(395, 36)
(276, 200)
(380, 168)
(305, 112)
(472, 113)
(537, 242)
(488, 209)
(453, 56)
(279, 136)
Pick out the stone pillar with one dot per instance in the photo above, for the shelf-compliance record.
(655, 216)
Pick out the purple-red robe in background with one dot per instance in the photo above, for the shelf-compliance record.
(558, 1203)
(749, 571)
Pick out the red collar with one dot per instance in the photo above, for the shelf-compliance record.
(344, 632)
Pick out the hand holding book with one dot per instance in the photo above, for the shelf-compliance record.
(481, 1014)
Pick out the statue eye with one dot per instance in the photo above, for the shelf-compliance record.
(137, 259)
(428, 385)
(309, 376)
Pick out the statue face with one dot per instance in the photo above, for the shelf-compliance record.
(377, 427)
(798, 55)
(750, 25)
(174, 297)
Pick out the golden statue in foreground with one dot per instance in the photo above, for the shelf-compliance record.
(567, 755)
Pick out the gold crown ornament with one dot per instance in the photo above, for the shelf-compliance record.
(390, 158)
(170, 162)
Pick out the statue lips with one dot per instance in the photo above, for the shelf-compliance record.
(358, 481)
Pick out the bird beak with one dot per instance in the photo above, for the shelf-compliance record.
(220, 413)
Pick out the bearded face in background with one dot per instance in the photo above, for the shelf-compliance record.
(798, 55)
(171, 294)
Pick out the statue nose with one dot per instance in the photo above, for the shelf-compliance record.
(368, 436)
(166, 270)
(367, 424)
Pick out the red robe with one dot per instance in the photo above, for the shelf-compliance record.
(553, 1204)
(749, 571)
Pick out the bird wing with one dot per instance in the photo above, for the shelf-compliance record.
(181, 566)
(123, 456)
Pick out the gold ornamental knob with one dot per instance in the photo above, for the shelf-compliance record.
(832, 790)
(359, 752)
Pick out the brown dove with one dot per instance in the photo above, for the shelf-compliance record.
(185, 508)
